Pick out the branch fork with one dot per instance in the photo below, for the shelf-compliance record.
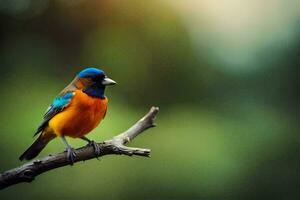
(116, 145)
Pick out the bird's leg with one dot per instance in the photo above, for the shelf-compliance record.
(93, 144)
(70, 151)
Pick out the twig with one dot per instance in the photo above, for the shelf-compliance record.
(28, 171)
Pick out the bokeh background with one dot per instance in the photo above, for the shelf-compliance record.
(225, 75)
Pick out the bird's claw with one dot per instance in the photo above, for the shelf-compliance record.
(71, 155)
(96, 147)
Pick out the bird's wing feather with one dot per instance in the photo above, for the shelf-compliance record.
(58, 105)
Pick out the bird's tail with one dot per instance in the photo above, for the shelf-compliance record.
(38, 145)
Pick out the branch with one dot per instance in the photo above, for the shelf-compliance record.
(28, 171)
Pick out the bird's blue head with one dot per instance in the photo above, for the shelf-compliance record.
(90, 72)
(94, 81)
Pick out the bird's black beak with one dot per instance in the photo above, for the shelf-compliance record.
(108, 81)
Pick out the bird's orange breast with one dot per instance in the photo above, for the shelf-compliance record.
(81, 116)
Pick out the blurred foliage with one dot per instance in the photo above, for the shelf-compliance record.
(229, 99)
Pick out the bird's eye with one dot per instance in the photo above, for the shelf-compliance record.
(97, 78)
(102, 76)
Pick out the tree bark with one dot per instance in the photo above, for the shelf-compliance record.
(116, 145)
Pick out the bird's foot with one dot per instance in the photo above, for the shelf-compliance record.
(96, 147)
(71, 155)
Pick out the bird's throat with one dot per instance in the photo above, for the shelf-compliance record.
(95, 91)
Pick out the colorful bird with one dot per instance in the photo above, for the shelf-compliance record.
(76, 111)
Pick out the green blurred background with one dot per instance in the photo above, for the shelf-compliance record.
(225, 75)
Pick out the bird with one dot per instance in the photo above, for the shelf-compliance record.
(77, 110)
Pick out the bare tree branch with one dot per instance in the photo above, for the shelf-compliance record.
(28, 171)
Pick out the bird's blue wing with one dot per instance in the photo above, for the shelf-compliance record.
(56, 107)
